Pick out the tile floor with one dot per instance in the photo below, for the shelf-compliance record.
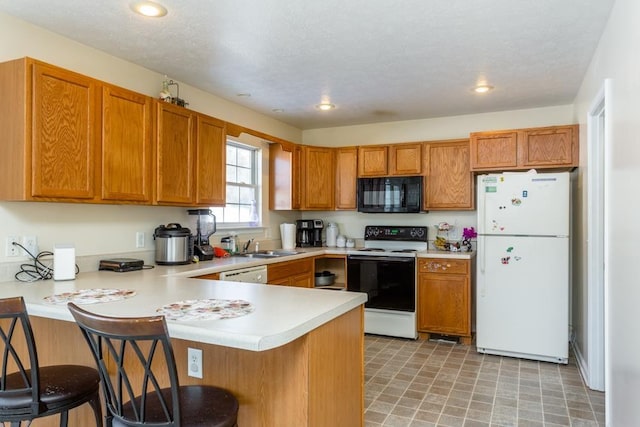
(422, 383)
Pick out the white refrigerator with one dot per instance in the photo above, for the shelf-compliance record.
(522, 282)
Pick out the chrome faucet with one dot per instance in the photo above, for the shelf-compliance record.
(245, 248)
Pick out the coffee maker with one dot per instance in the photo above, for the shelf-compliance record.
(205, 225)
(309, 232)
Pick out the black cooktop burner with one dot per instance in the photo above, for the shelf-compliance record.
(372, 250)
(404, 250)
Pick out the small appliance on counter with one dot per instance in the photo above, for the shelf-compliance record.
(204, 222)
(121, 265)
(309, 232)
(332, 234)
(174, 244)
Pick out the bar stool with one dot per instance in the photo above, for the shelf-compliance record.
(139, 352)
(29, 391)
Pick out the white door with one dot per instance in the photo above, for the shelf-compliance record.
(524, 204)
(523, 296)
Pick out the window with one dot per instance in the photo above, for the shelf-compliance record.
(243, 187)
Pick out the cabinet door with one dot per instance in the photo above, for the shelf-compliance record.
(174, 155)
(64, 134)
(494, 150)
(210, 167)
(444, 304)
(372, 160)
(549, 147)
(126, 145)
(449, 182)
(405, 159)
(291, 273)
(285, 167)
(297, 178)
(210, 276)
(305, 280)
(318, 166)
(346, 177)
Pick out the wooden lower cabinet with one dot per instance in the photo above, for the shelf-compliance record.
(445, 297)
(315, 380)
(210, 276)
(292, 273)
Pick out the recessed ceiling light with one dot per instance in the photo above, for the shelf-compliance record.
(325, 106)
(243, 95)
(483, 88)
(149, 8)
(278, 110)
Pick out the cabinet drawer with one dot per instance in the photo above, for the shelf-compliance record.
(287, 269)
(443, 266)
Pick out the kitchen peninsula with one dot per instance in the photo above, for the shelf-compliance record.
(295, 360)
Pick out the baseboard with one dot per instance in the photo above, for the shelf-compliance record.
(582, 363)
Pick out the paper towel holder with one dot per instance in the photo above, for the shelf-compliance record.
(288, 235)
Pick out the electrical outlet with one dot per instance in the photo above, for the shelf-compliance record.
(10, 248)
(194, 360)
(30, 243)
(140, 239)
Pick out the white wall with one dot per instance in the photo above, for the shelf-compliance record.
(103, 229)
(617, 58)
(438, 128)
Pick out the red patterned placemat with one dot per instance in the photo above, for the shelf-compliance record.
(205, 309)
(90, 296)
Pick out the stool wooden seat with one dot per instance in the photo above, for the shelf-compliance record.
(143, 388)
(29, 391)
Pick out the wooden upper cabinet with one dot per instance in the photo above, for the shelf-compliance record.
(49, 120)
(297, 180)
(346, 178)
(372, 160)
(301, 177)
(127, 162)
(520, 149)
(64, 139)
(390, 160)
(449, 183)
(550, 147)
(494, 150)
(175, 150)
(211, 154)
(318, 178)
(284, 176)
(405, 159)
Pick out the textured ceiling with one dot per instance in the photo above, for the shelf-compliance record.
(376, 60)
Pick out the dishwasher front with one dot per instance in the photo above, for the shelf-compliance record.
(249, 275)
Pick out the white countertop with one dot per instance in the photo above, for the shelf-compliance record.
(282, 314)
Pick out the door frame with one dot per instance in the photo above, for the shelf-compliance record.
(599, 137)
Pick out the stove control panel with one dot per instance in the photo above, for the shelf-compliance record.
(403, 233)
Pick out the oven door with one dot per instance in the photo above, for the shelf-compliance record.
(389, 282)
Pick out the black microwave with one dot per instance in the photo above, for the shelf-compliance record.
(401, 194)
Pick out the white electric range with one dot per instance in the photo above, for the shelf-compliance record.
(385, 269)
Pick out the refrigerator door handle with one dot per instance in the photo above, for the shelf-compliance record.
(481, 207)
(482, 264)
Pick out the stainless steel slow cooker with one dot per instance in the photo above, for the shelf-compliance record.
(174, 244)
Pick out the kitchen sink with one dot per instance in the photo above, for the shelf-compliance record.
(268, 254)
